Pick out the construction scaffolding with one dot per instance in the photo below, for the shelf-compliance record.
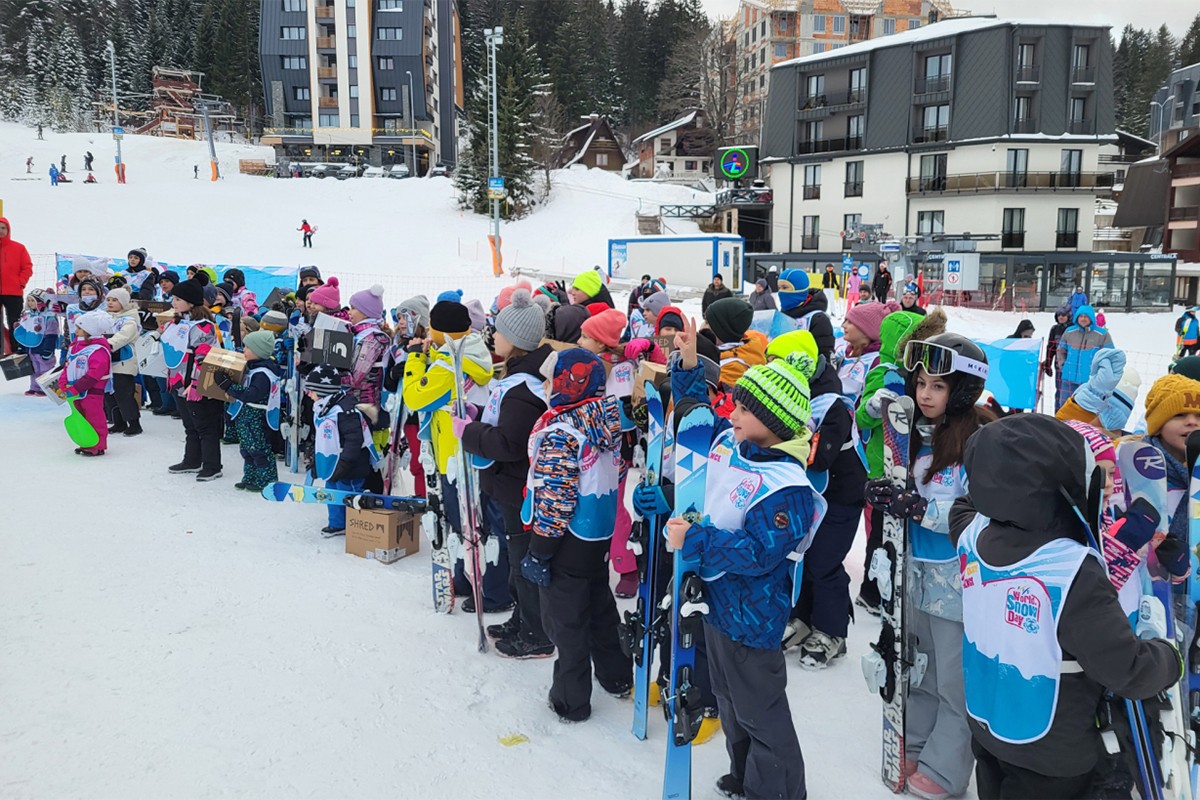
(178, 104)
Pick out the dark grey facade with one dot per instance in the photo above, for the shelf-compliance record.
(447, 100)
(406, 57)
(280, 84)
(984, 78)
(1176, 106)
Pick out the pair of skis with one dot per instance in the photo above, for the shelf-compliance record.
(299, 493)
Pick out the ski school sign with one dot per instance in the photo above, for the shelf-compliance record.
(260, 280)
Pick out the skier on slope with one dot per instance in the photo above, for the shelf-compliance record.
(945, 376)
(308, 231)
(1034, 740)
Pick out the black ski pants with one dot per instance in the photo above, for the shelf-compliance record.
(751, 684)
(999, 780)
(203, 422)
(123, 404)
(11, 305)
(528, 612)
(495, 577)
(824, 603)
(580, 615)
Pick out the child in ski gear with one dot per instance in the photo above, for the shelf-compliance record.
(588, 287)
(946, 374)
(371, 342)
(808, 307)
(310, 277)
(1070, 632)
(1173, 412)
(411, 322)
(729, 320)
(88, 372)
(326, 299)
(894, 332)
(1076, 349)
(255, 410)
(37, 333)
(669, 322)
(186, 341)
(571, 506)
(143, 281)
(124, 403)
(1187, 329)
(860, 333)
(909, 298)
(747, 551)
(499, 445)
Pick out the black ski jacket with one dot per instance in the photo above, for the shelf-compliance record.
(831, 448)
(820, 326)
(1016, 467)
(507, 442)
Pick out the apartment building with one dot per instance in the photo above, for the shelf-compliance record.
(767, 32)
(1175, 109)
(377, 80)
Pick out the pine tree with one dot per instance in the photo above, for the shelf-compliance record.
(639, 82)
(583, 65)
(1189, 46)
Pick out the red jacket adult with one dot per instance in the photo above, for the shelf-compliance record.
(16, 268)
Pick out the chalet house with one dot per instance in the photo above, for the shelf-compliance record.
(593, 144)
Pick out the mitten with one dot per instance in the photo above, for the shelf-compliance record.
(880, 492)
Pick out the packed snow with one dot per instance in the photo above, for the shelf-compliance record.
(164, 638)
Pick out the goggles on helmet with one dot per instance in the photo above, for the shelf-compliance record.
(938, 360)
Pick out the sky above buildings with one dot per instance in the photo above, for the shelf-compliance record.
(1177, 14)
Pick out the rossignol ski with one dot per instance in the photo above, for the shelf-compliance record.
(468, 499)
(297, 493)
(685, 710)
(887, 667)
(637, 631)
(1191, 616)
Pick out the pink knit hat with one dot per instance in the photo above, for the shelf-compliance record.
(328, 295)
(506, 294)
(1099, 443)
(868, 317)
(606, 327)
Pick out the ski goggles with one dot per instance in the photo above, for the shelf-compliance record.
(938, 360)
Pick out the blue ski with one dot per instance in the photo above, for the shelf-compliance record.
(684, 708)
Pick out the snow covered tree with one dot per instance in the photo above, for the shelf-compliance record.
(582, 63)
(66, 81)
(549, 126)
(1189, 46)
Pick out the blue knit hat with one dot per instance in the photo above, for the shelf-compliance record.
(453, 295)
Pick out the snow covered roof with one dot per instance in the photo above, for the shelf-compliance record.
(679, 123)
(583, 150)
(938, 30)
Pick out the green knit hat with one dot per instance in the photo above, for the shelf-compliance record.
(777, 393)
(589, 282)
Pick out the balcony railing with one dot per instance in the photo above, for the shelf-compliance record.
(1029, 73)
(932, 84)
(324, 12)
(923, 134)
(325, 43)
(1066, 239)
(1183, 213)
(1079, 126)
(328, 102)
(1083, 75)
(1025, 125)
(1012, 239)
(842, 97)
(854, 189)
(829, 145)
(812, 192)
(327, 72)
(810, 242)
(1010, 181)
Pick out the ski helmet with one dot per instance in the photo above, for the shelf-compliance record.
(945, 354)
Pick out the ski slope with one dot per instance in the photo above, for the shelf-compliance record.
(164, 638)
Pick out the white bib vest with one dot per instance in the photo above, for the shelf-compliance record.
(820, 406)
(491, 412)
(77, 365)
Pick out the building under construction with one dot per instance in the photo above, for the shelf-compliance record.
(177, 102)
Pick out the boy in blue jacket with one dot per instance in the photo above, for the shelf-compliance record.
(759, 514)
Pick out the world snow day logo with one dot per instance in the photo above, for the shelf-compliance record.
(1022, 609)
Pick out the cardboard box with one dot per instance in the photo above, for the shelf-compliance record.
(230, 362)
(649, 371)
(385, 536)
(49, 383)
(164, 318)
(16, 366)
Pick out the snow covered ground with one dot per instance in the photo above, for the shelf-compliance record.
(164, 638)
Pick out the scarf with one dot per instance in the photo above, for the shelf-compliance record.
(1177, 477)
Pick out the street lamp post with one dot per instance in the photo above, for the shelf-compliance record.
(412, 122)
(112, 61)
(494, 37)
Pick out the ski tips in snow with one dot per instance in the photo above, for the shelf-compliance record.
(365, 501)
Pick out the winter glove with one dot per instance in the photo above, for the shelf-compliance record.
(1125, 539)
(222, 380)
(458, 424)
(1152, 619)
(879, 492)
(909, 505)
(651, 501)
(1107, 366)
(535, 570)
(637, 348)
(875, 404)
(1173, 556)
(1048, 367)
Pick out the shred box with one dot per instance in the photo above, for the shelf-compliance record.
(218, 360)
(385, 536)
(649, 371)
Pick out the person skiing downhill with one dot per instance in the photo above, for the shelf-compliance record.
(308, 231)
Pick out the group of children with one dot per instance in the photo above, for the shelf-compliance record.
(552, 428)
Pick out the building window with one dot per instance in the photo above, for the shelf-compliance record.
(601, 159)
(933, 173)
(1068, 228)
(664, 147)
(812, 181)
(1070, 168)
(935, 123)
(389, 34)
(889, 27)
(1026, 55)
(811, 236)
(295, 62)
(931, 222)
(764, 28)
(913, 24)
(858, 84)
(351, 31)
(301, 93)
(1077, 115)
(818, 47)
(937, 66)
(850, 223)
(387, 62)
(1023, 113)
(354, 122)
(814, 130)
(293, 32)
(302, 123)
(1080, 56)
(814, 91)
(819, 23)
(783, 24)
(780, 51)
(328, 120)
(354, 90)
(839, 24)
(386, 94)
(854, 179)
(854, 131)
(1017, 169)
(352, 61)
(762, 81)
(390, 5)
(295, 5)
(689, 166)
(1012, 232)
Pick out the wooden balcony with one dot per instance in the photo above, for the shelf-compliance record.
(325, 13)
(328, 102)
(327, 72)
(325, 43)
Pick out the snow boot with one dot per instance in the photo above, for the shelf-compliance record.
(794, 633)
(209, 474)
(923, 786)
(119, 427)
(708, 726)
(468, 607)
(505, 630)
(91, 453)
(872, 607)
(621, 691)
(134, 430)
(730, 786)
(522, 648)
(820, 650)
(183, 467)
(329, 531)
(627, 587)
